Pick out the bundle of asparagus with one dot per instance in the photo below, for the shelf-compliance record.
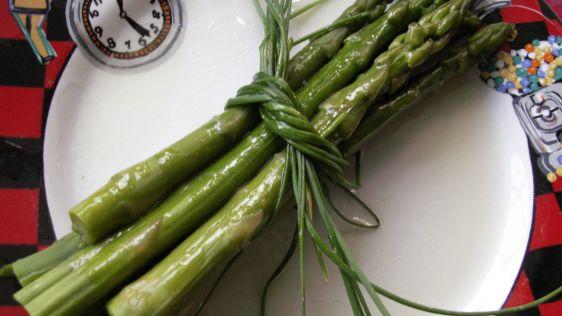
(131, 193)
(217, 188)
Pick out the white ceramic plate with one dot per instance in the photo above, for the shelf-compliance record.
(450, 179)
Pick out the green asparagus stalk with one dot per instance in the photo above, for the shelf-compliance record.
(359, 50)
(30, 268)
(6, 271)
(414, 36)
(348, 125)
(461, 56)
(78, 259)
(240, 219)
(299, 68)
(320, 50)
(194, 201)
(184, 209)
(132, 192)
(182, 268)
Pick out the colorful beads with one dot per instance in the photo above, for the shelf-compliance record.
(504, 73)
(525, 70)
(558, 74)
(503, 56)
(521, 73)
(540, 74)
(534, 87)
(501, 88)
(534, 79)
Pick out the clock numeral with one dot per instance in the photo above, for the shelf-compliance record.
(97, 2)
(154, 28)
(94, 13)
(98, 31)
(156, 14)
(128, 43)
(142, 41)
(111, 42)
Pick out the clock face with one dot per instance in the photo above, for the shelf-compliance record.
(127, 29)
(124, 33)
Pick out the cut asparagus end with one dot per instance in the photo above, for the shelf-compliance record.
(6, 271)
(79, 226)
(28, 269)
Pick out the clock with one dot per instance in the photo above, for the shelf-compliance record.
(124, 33)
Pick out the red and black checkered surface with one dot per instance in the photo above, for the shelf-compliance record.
(26, 89)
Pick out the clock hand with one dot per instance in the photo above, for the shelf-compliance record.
(122, 12)
(141, 30)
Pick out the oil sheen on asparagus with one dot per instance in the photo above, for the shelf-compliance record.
(159, 291)
(133, 191)
(305, 63)
(28, 269)
(462, 55)
(193, 202)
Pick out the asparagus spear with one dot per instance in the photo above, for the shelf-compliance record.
(43, 282)
(470, 23)
(92, 217)
(441, 24)
(190, 204)
(320, 50)
(186, 208)
(6, 271)
(164, 286)
(360, 49)
(30, 268)
(461, 56)
(251, 204)
(131, 192)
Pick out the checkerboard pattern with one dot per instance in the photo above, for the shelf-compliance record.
(541, 271)
(26, 89)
